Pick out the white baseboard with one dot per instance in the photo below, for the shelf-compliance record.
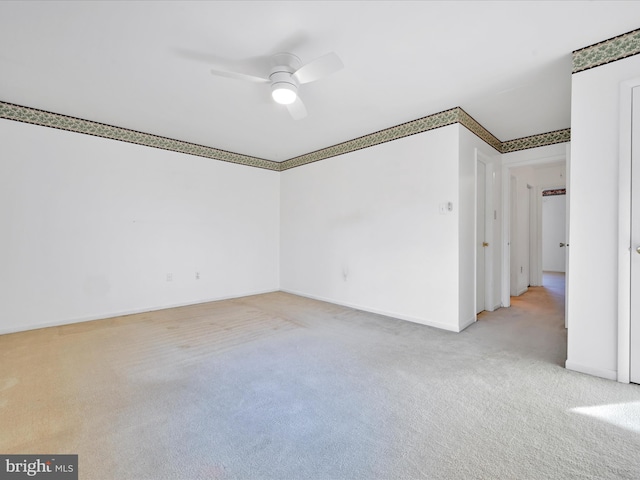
(58, 323)
(493, 308)
(429, 323)
(464, 325)
(102, 316)
(595, 371)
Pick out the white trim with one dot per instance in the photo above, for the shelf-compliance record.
(428, 323)
(538, 257)
(568, 233)
(122, 313)
(466, 324)
(488, 231)
(510, 209)
(534, 241)
(624, 231)
(596, 372)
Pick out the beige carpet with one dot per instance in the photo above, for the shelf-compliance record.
(282, 387)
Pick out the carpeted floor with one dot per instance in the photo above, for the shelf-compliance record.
(282, 387)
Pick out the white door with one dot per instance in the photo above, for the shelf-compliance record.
(634, 370)
(481, 242)
(566, 255)
(554, 233)
(513, 237)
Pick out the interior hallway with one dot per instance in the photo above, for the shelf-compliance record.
(534, 322)
(277, 386)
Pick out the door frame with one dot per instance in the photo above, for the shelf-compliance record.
(506, 214)
(512, 245)
(536, 271)
(624, 230)
(489, 304)
(532, 228)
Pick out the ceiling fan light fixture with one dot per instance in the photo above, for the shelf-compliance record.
(284, 93)
(286, 75)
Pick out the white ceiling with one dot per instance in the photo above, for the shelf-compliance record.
(145, 65)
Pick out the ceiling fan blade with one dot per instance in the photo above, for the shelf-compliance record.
(297, 109)
(319, 68)
(239, 76)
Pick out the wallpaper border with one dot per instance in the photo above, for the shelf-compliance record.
(607, 51)
(43, 118)
(430, 122)
(424, 124)
(454, 115)
(554, 191)
(473, 126)
(534, 141)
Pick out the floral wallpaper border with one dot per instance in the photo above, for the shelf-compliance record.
(448, 117)
(424, 124)
(63, 122)
(540, 140)
(607, 51)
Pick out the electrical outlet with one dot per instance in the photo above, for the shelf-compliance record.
(169, 277)
(197, 275)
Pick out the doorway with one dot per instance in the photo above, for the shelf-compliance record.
(554, 230)
(522, 181)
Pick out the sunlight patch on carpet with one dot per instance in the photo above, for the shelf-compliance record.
(623, 415)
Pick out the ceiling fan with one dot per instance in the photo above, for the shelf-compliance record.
(287, 74)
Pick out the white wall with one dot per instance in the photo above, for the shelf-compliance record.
(552, 176)
(91, 227)
(593, 255)
(365, 229)
(553, 232)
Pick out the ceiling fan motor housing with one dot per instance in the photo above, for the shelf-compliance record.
(284, 86)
